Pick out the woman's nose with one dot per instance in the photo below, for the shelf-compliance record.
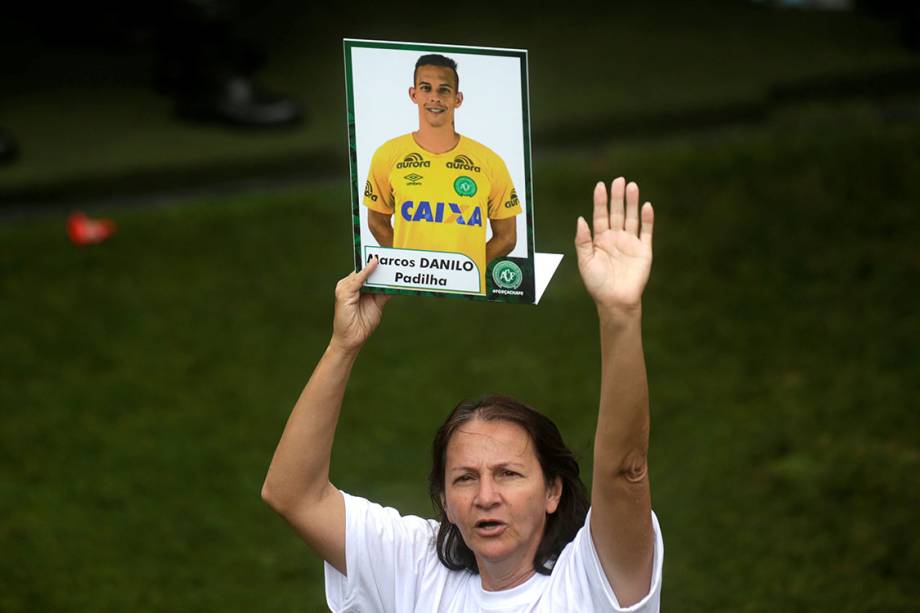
(488, 494)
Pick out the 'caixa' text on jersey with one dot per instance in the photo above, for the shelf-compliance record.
(451, 213)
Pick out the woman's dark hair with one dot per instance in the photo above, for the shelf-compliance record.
(556, 460)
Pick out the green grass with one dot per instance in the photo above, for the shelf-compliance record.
(146, 380)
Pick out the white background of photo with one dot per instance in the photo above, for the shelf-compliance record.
(491, 113)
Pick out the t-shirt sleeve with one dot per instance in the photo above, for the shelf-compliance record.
(378, 195)
(385, 554)
(579, 577)
(503, 200)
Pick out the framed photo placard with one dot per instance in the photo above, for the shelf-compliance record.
(440, 170)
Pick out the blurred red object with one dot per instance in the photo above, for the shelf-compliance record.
(85, 231)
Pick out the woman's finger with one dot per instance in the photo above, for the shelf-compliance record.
(617, 187)
(381, 300)
(648, 222)
(632, 209)
(584, 247)
(601, 218)
(369, 268)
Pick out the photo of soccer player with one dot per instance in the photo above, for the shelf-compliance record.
(436, 199)
(458, 168)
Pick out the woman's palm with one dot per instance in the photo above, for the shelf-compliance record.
(615, 263)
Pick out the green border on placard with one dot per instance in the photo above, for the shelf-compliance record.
(526, 265)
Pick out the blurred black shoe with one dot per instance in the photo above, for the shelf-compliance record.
(237, 101)
(8, 148)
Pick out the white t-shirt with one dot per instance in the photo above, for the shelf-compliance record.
(393, 566)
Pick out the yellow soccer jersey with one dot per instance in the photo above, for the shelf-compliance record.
(440, 202)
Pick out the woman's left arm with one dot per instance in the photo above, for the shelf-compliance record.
(615, 264)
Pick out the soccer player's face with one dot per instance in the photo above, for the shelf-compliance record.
(435, 93)
(495, 492)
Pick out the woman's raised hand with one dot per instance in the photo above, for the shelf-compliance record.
(615, 263)
(357, 315)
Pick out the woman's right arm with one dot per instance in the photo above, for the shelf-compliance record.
(297, 485)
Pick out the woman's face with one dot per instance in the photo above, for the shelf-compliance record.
(495, 493)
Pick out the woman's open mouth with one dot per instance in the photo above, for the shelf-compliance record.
(489, 527)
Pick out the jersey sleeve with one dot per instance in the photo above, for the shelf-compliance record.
(579, 577)
(503, 200)
(378, 196)
(385, 557)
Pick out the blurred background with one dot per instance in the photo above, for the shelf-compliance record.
(146, 379)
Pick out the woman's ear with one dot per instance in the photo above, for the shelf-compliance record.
(553, 495)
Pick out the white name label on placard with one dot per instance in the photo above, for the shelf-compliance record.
(423, 270)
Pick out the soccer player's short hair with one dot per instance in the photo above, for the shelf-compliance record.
(434, 59)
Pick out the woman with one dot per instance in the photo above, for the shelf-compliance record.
(502, 479)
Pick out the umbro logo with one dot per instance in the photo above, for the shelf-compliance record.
(413, 179)
(462, 162)
(414, 160)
